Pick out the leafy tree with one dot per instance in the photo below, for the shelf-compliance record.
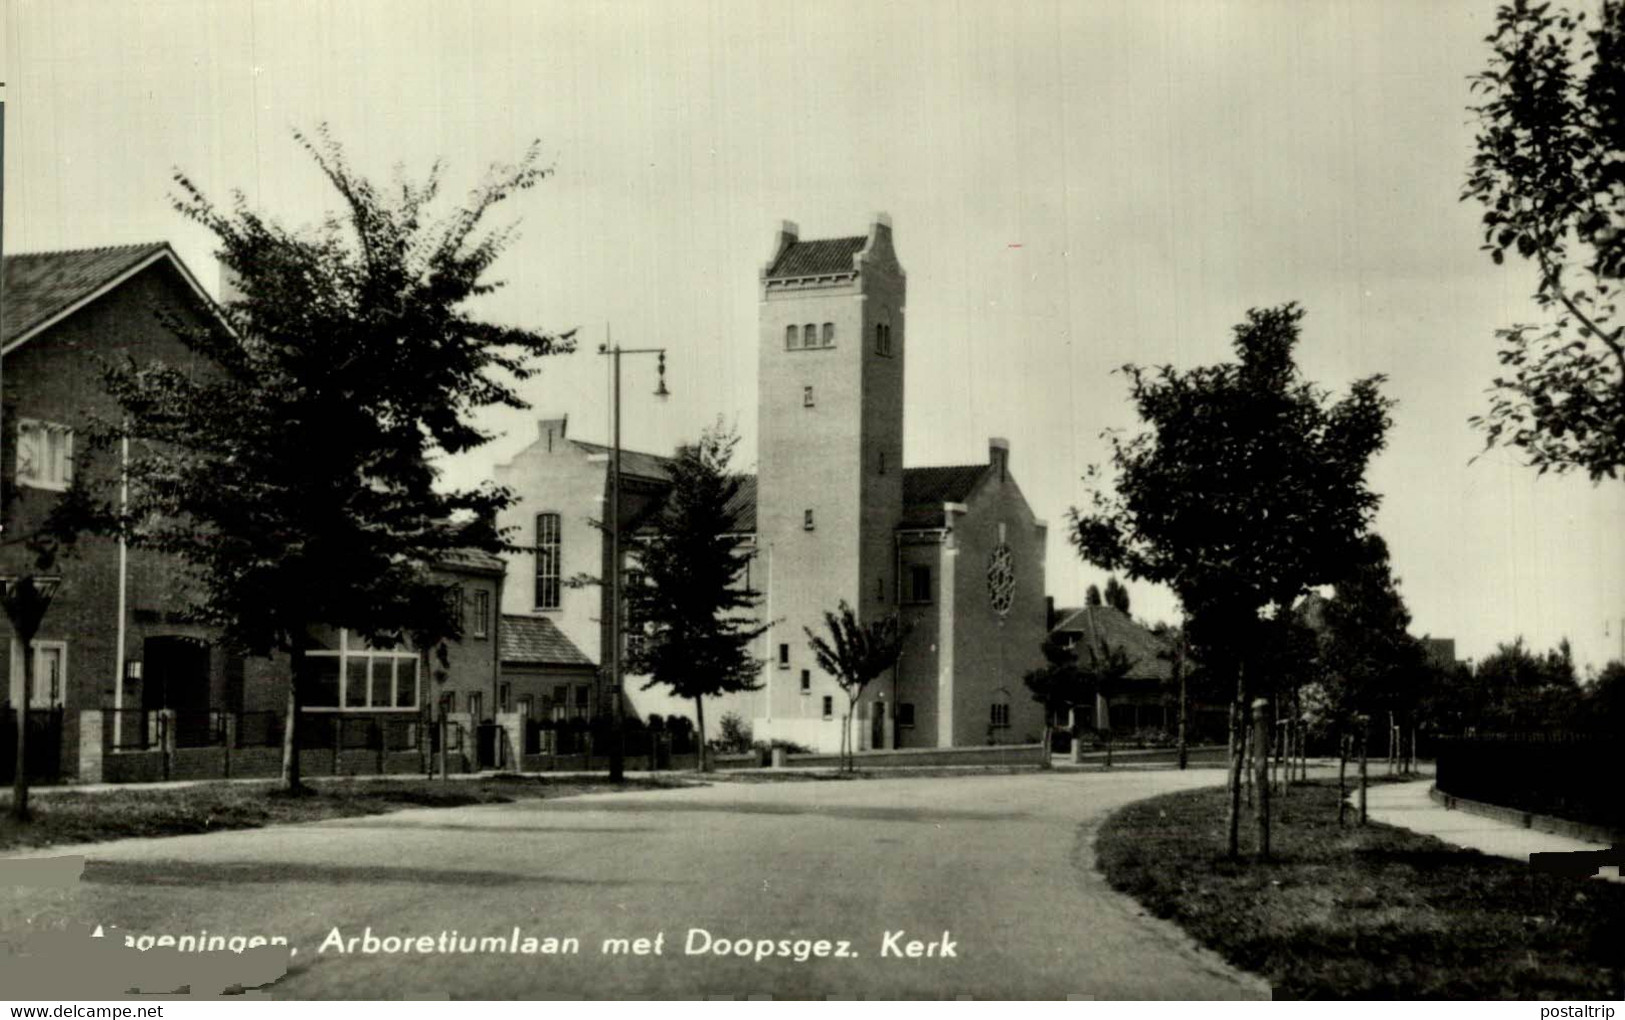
(733, 734)
(1091, 597)
(1247, 489)
(1549, 171)
(295, 478)
(1371, 664)
(855, 654)
(1105, 669)
(1605, 700)
(696, 615)
(1519, 691)
(1116, 595)
(1058, 684)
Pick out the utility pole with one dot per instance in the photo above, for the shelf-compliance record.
(617, 746)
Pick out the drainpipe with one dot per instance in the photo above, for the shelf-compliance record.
(123, 591)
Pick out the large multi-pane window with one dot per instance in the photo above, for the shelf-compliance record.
(44, 454)
(547, 561)
(354, 676)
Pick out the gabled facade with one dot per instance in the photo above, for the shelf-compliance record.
(118, 637)
(117, 633)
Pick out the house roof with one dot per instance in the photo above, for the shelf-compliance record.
(644, 465)
(471, 559)
(817, 258)
(742, 508)
(537, 641)
(1094, 624)
(42, 287)
(925, 489)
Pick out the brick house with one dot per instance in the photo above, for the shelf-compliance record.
(118, 637)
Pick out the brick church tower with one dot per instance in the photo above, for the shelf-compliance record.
(830, 459)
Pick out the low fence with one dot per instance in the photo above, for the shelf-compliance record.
(1032, 755)
(1572, 777)
(140, 746)
(43, 747)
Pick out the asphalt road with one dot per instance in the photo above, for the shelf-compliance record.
(996, 869)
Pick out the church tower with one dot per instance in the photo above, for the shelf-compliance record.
(830, 458)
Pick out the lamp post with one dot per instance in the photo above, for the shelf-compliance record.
(26, 599)
(617, 750)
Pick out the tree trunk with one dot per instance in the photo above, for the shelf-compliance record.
(1109, 740)
(1237, 742)
(1342, 777)
(1261, 736)
(19, 782)
(292, 782)
(700, 761)
(1365, 729)
(1179, 663)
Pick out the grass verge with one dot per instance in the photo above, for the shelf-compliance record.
(67, 817)
(1366, 913)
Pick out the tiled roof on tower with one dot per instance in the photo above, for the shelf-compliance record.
(817, 258)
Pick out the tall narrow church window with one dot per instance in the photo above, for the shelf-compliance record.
(791, 335)
(806, 396)
(547, 561)
(882, 462)
(829, 334)
(784, 656)
(880, 589)
(809, 336)
(807, 520)
(883, 339)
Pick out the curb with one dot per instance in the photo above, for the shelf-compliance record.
(1527, 819)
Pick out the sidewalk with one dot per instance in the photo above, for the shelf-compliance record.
(1407, 806)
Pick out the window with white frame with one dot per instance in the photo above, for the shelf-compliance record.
(44, 454)
(50, 674)
(355, 677)
(547, 561)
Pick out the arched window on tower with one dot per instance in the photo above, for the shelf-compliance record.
(829, 334)
(791, 335)
(809, 335)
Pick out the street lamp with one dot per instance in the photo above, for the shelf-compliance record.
(25, 599)
(617, 750)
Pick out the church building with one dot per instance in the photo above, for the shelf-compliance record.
(831, 515)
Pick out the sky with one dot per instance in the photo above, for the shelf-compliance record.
(1074, 186)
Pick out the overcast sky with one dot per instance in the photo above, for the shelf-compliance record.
(1073, 186)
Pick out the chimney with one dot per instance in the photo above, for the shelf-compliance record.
(553, 429)
(998, 455)
(789, 233)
